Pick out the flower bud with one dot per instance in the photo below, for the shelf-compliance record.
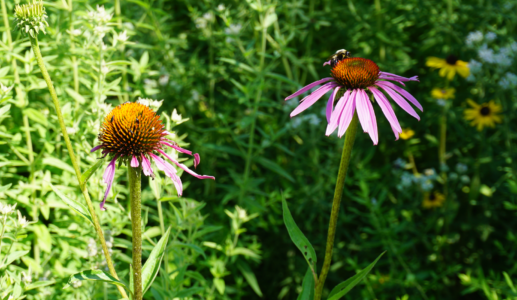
(30, 18)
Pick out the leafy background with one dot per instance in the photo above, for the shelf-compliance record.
(227, 66)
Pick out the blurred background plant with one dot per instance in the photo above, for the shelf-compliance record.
(446, 219)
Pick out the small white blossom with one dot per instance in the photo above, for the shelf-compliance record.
(27, 278)
(486, 54)
(502, 59)
(153, 104)
(164, 79)
(508, 81)
(221, 7)
(474, 37)
(490, 36)
(92, 248)
(100, 15)
(177, 118)
(22, 221)
(123, 37)
(475, 66)
(6, 209)
(4, 90)
(233, 29)
(441, 102)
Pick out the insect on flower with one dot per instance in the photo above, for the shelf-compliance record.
(353, 80)
(134, 134)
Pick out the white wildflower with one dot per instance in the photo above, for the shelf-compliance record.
(475, 66)
(474, 37)
(92, 248)
(233, 29)
(490, 36)
(27, 278)
(486, 54)
(164, 79)
(221, 7)
(4, 90)
(508, 81)
(153, 104)
(22, 221)
(6, 209)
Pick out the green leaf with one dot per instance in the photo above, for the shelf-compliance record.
(13, 256)
(38, 284)
(184, 293)
(86, 175)
(152, 265)
(307, 286)
(36, 116)
(4, 109)
(239, 65)
(219, 285)
(273, 166)
(54, 162)
(343, 288)
(249, 276)
(95, 275)
(75, 95)
(77, 207)
(297, 236)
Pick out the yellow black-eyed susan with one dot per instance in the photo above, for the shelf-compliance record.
(483, 115)
(449, 67)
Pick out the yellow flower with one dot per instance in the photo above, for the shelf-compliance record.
(406, 134)
(483, 115)
(439, 93)
(432, 200)
(449, 66)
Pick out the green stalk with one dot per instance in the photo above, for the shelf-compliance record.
(72, 46)
(166, 256)
(254, 114)
(82, 185)
(338, 193)
(135, 188)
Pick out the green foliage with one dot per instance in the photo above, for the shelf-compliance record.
(228, 66)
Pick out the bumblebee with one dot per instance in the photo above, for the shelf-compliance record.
(338, 56)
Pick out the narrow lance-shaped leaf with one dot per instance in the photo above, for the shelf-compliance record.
(298, 238)
(343, 288)
(152, 265)
(75, 206)
(95, 275)
(249, 276)
(86, 175)
(307, 286)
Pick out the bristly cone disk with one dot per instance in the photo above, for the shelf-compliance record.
(131, 129)
(355, 73)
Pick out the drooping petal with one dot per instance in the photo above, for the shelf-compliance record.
(347, 114)
(146, 166)
(312, 98)
(374, 134)
(387, 110)
(308, 87)
(400, 101)
(338, 110)
(403, 92)
(185, 168)
(96, 148)
(197, 160)
(326, 63)
(109, 175)
(330, 103)
(134, 162)
(362, 112)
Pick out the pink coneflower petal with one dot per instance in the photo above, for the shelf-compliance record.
(403, 92)
(400, 78)
(334, 118)
(109, 175)
(197, 160)
(312, 98)
(330, 103)
(146, 167)
(134, 162)
(177, 184)
(96, 148)
(326, 63)
(387, 110)
(400, 101)
(347, 114)
(308, 87)
(185, 168)
(366, 116)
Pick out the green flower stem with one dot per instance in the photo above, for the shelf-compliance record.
(135, 188)
(338, 193)
(82, 185)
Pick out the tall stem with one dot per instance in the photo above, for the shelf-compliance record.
(135, 187)
(338, 193)
(82, 185)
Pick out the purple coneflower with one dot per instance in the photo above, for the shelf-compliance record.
(355, 79)
(134, 133)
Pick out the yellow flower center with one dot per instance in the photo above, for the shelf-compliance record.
(355, 73)
(131, 129)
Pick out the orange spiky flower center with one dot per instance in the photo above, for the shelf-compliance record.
(355, 73)
(131, 129)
